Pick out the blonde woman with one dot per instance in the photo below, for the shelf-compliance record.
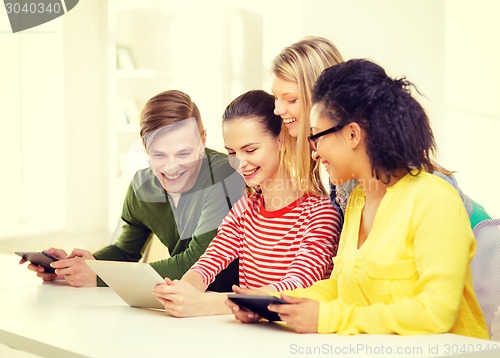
(295, 71)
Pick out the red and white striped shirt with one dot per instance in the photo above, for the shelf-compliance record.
(288, 248)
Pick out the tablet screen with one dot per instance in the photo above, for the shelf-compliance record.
(257, 304)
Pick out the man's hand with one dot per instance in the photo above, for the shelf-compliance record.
(74, 269)
(40, 270)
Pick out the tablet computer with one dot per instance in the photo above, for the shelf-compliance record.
(257, 304)
(133, 282)
(38, 258)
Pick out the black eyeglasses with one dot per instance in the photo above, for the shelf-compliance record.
(313, 139)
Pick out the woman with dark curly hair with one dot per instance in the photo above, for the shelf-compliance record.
(403, 264)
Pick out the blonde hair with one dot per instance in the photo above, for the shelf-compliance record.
(302, 63)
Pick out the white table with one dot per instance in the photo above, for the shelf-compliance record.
(56, 320)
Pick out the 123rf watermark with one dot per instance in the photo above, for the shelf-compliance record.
(25, 14)
(382, 350)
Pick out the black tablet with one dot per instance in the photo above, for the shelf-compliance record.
(38, 258)
(257, 304)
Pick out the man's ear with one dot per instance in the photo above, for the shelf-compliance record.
(204, 137)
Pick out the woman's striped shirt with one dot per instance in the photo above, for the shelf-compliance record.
(288, 248)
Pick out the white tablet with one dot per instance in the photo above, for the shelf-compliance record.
(132, 281)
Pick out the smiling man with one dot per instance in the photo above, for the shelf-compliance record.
(176, 154)
(181, 198)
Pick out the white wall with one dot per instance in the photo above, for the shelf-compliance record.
(32, 181)
(53, 140)
(472, 99)
(406, 37)
(85, 117)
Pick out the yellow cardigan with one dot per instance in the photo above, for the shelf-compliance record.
(412, 275)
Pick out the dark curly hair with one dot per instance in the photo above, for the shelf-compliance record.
(398, 130)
